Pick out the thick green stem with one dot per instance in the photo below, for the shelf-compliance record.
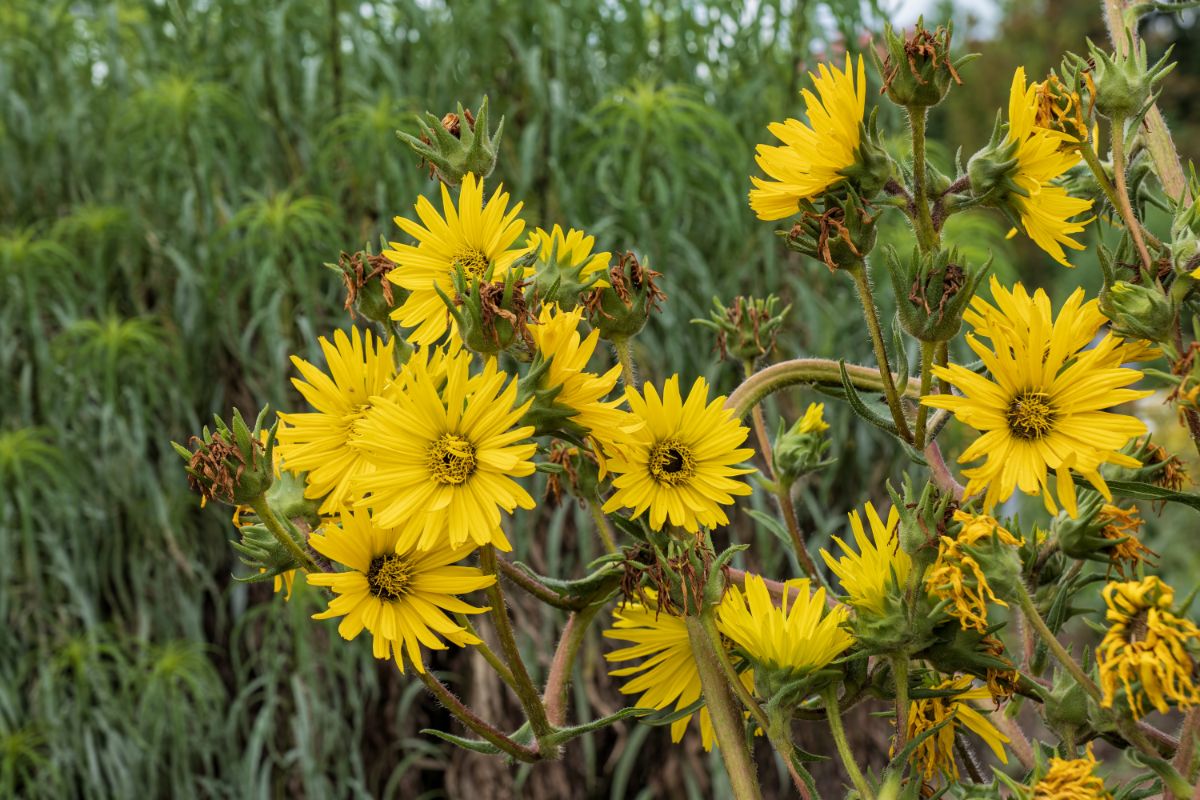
(813, 371)
(624, 348)
(1123, 205)
(1034, 618)
(602, 528)
(927, 236)
(834, 716)
(726, 719)
(927, 353)
(1093, 161)
(262, 510)
(900, 676)
(468, 718)
(531, 701)
(871, 315)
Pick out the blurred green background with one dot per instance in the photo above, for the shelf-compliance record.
(173, 174)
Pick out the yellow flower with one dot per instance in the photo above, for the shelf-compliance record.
(1073, 779)
(402, 596)
(667, 675)
(1146, 644)
(878, 564)
(813, 420)
(936, 753)
(679, 463)
(570, 250)
(1046, 210)
(813, 157)
(556, 337)
(360, 369)
(798, 640)
(957, 577)
(445, 461)
(473, 236)
(1044, 406)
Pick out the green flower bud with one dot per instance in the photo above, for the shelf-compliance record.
(368, 291)
(872, 167)
(1185, 231)
(955, 649)
(1124, 84)
(1138, 312)
(747, 329)
(918, 71)
(1066, 705)
(800, 449)
(840, 237)
(452, 148)
(491, 317)
(1000, 563)
(620, 310)
(230, 464)
(991, 170)
(286, 497)
(266, 556)
(932, 291)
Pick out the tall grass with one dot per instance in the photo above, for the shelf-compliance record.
(173, 175)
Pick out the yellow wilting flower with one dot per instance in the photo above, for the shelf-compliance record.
(1046, 210)
(1044, 406)
(667, 675)
(399, 594)
(956, 575)
(1122, 525)
(360, 371)
(813, 157)
(936, 753)
(1073, 779)
(445, 461)
(679, 463)
(1059, 109)
(471, 235)
(867, 574)
(797, 637)
(1147, 644)
(557, 339)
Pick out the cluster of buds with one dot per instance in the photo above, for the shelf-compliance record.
(746, 330)
(457, 144)
(933, 290)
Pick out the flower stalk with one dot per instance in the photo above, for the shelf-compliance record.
(871, 315)
(838, 732)
(262, 510)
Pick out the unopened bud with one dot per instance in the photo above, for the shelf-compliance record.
(230, 464)
(746, 330)
(457, 144)
(918, 70)
(801, 449)
(491, 316)
(839, 237)
(620, 309)
(1124, 84)
(933, 290)
(1138, 312)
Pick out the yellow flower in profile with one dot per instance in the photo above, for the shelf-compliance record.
(445, 460)
(935, 754)
(813, 420)
(679, 464)
(1044, 406)
(815, 156)
(1072, 779)
(956, 576)
(1148, 645)
(360, 368)
(798, 637)
(556, 337)
(571, 250)
(879, 563)
(401, 595)
(1046, 211)
(471, 235)
(667, 675)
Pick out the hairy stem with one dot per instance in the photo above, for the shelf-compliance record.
(624, 348)
(1034, 618)
(559, 680)
(927, 353)
(468, 718)
(489, 655)
(813, 371)
(788, 510)
(923, 222)
(1124, 206)
(834, 716)
(900, 676)
(726, 719)
(531, 701)
(602, 527)
(871, 315)
(262, 510)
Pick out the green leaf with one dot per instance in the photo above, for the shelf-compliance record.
(1137, 490)
(467, 744)
(563, 735)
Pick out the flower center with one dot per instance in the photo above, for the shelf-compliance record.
(389, 576)
(672, 462)
(474, 262)
(451, 459)
(1030, 415)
